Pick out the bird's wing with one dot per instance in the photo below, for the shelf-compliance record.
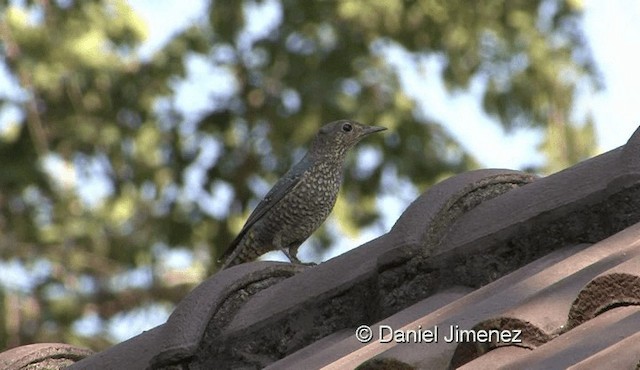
(275, 195)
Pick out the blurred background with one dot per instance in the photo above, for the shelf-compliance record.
(137, 136)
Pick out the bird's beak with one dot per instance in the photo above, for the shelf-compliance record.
(372, 129)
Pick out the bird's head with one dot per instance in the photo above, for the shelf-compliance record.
(335, 138)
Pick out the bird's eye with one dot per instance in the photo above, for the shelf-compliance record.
(347, 127)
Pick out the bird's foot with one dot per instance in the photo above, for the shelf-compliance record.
(304, 263)
(294, 260)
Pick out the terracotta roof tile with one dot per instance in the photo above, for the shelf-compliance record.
(624, 354)
(577, 345)
(42, 356)
(536, 299)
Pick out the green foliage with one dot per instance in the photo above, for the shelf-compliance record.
(565, 144)
(92, 111)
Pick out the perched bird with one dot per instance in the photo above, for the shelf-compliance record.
(301, 200)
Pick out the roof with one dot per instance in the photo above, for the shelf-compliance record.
(547, 268)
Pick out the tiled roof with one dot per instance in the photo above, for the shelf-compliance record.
(554, 260)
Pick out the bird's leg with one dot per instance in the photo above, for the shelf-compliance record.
(292, 253)
(291, 257)
(277, 242)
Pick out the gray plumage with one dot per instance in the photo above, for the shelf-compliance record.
(301, 200)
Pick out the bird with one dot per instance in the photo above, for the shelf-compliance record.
(301, 200)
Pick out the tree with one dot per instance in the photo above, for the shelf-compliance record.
(104, 173)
